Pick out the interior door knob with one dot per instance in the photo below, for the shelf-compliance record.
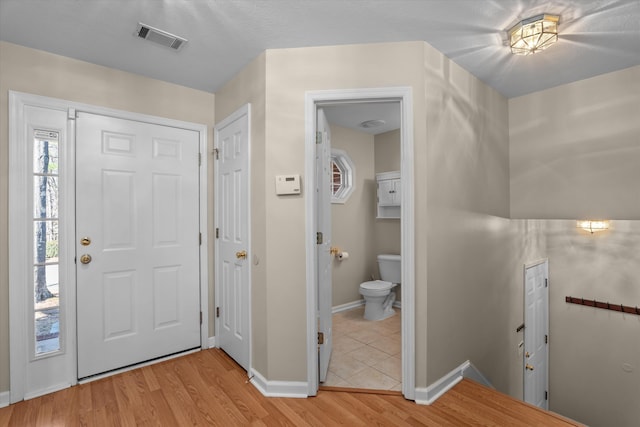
(529, 367)
(85, 259)
(241, 255)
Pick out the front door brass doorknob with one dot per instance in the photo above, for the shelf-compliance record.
(529, 367)
(85, 259)
(241, 255)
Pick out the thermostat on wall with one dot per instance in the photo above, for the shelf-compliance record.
(287, 184)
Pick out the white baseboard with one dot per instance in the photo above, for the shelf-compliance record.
(426, 396)
(347, 306)
(356, 304)
(278, 388)
(212, 342)
(5, 398)
(47, 390)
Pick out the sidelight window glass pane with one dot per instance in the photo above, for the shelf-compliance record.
(45, 153)
(46, 277)
(45, 196)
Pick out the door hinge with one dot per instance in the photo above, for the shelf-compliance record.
(216, 153)
(201, 318)
(546, 339)
(546, 395)
(217, 233)
(199, 159)
(200, 238)
(217, 311)
(318, 137)
(319, 237)
(546, 282)
(320, 338)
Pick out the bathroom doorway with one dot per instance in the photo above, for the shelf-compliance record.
(370, 132)
(365, 145)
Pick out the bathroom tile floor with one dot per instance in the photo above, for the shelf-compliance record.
(366, 354)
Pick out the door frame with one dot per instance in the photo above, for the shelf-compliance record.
(528, 266)
(19, 224)
(244, 110)
(313, 99)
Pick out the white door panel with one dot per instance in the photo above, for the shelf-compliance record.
(324, 257)
(232, 255)
(138, 203)
(536, 335)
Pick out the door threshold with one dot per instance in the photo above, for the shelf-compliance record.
(360, 390)
(137, 366)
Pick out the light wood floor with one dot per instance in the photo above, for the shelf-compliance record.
(208, 388)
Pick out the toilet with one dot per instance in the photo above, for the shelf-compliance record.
(378, 294)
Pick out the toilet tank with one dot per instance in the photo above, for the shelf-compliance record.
(390, 268)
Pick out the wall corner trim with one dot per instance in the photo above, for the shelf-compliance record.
(428, 395)
(4, 398)
(296, 389)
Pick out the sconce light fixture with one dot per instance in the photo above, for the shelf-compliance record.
(534, 34)
(593, 226)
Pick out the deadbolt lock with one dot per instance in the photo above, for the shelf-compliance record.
(85, 241)
(529, 367)
(527, 355)
(85, 259)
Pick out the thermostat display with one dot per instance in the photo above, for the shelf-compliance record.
(287, 184)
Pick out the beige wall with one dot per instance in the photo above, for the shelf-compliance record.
(40, 73)
(352, 222)
(387, 231)
(594, 353)
(473, 305)
(290, 73)
(248, 86)
(575, 149)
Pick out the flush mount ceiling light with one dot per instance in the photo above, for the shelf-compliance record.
(534, 34)
(155, 35)
(368, 124)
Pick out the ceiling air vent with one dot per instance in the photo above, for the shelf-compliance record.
(155, 35)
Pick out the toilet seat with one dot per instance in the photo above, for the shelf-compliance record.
(377, 285)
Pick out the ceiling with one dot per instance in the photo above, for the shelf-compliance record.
(596, 36)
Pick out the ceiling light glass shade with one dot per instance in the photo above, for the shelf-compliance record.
(593, 226)
(534, 34)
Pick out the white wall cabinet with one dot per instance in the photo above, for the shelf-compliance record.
(389, 194)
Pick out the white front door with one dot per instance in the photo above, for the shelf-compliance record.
(137, 249)
(536, 335)
(233, 265)
(323, 248)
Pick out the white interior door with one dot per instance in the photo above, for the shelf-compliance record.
(137, 225)
(323, 248)
(233, 265)
(536, 335)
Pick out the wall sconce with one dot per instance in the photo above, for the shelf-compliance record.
(593, 226)
(534, 34)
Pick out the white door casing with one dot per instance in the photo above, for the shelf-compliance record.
(323, 248)
(536, 335)
(137, 204)
(233, 251)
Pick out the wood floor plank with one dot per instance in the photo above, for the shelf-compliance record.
(209, 388)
